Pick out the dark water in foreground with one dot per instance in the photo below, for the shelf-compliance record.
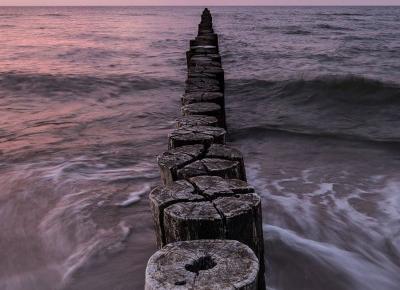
(88, 96)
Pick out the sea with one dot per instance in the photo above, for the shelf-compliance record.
(88, 96)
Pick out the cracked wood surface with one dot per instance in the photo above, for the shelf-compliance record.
(205, 135)
(203, 265)
(195, 160)
(205, 108)
(196, 120)
(207, 207)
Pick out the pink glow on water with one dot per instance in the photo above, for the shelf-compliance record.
(199, 2)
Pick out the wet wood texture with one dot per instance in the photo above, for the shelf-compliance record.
(208, 220)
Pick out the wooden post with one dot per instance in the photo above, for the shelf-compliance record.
(196, 120)
(196, 135)
(202, 85)
(203, 97)
(204, 264)
(208, 109)
(196, 160)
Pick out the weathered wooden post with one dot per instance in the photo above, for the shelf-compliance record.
(205, 135)
(209, 207)
(196, 160)
(196, 120)
(203, 264)
(208, 220)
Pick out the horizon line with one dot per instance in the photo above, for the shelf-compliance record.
(89, 5)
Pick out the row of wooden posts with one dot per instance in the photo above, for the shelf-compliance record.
(207, 218)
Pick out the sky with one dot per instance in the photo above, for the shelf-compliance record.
(199, 2)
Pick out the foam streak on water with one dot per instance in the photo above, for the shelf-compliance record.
(88, 96)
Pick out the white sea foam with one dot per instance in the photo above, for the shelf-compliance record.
(134, 197)
(361, 273)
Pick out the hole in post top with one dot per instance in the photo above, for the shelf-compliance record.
(180, 283)
(201, 264)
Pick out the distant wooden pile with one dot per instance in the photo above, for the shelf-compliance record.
(207, 218)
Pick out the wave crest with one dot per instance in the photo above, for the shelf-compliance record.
(348, 106)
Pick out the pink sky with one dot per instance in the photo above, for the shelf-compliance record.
(199, 2)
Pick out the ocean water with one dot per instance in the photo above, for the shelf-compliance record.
(88, 96)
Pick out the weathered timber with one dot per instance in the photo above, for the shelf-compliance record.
(204, 49)
(218, 75)
(195, 160)
(202, 85)
(202, 56)
(209, 39)
(209, 68)
(203, 60)
(204, 194)
(214, 186)
(200, 70)
(228, 217)
(205, 108)
(161, 197)
(203, 97)
(206, 135)
(205, 29)
(203, 265)
(228, 210)
(197, 189)
(196, 120)
(228, 153)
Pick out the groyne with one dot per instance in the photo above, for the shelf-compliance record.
(208, 220)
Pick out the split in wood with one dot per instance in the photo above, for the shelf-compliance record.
(203, 264)
(205, 135)
(196, 160)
